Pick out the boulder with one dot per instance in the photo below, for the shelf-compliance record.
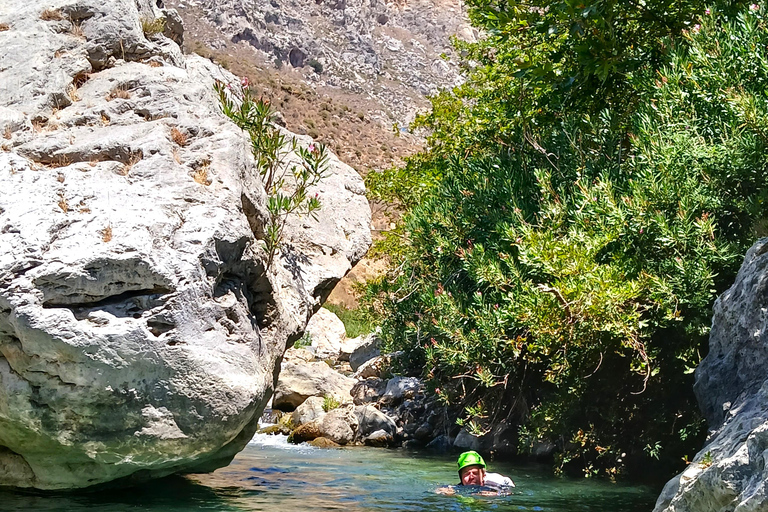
(368, 390)
(140, 327)
(306, 432)
(297, 382)
(400, 388)
(370, 419)
(349, 345)
(339, 425)
(731, 385)
(366, 350)
(311, 409)
(323, 442)
(466, 441)
(298, 355)
(379, 438)
(326, 332)
(372, 368)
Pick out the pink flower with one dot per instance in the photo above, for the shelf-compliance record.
(641, 231)
(311, 147)
(707, 11)
(696, 28)
(754, 7)
(244, 81)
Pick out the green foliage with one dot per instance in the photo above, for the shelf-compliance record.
(304, 341)
(316, 65)
(330, 403)
(357, 322)
(574, 218)
(286, 186)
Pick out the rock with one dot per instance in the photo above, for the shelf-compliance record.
(311, 409)
(370, 419)
(339, 425)
(729, 473)
(323, 442)
(466, 441)
(349, 345)
(399, 388)
(327, 333)
(368, 390)
(441, 443)
(139, 326)
(379, 438)
(297, 382)
(306, 432)
(423, 432)
(412, 444)
(365, 351)
(298, 355)
(275, 429)
(372, 368)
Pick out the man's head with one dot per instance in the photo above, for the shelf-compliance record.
(471, 469)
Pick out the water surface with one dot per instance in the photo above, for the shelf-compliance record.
(271, 475)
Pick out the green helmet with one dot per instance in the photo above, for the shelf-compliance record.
(470, 459)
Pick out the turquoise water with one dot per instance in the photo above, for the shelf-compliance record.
(273, 476)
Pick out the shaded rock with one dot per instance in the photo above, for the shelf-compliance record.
(326, 332)
(379, 438)
(306, 432)
(441, 443)
(368, 390)
(323, 442)
(730, 473)
(311, 409)
(466, 441)
(423, 432)
(412, 444)
(365, 351)
(400, 388)
(370, 419)
(339, 425)
(297, 382)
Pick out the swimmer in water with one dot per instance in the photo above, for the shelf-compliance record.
(472, 472)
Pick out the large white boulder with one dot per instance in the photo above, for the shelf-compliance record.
(327, 333)
(299, 381)
(139, 328)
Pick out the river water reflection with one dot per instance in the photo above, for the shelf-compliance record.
(273, 476)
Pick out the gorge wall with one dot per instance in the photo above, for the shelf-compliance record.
(140, 332)
(729, 474)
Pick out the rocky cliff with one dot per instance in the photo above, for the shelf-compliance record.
(729, 474)
(140, 332)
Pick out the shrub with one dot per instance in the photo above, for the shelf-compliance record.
(330, 402)
(152, 26)
(316, 65)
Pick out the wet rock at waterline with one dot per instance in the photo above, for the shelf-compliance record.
(139, 327)
(729, 473)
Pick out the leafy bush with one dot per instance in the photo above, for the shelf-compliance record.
(330, 402)
(316, 65)
(559, 257)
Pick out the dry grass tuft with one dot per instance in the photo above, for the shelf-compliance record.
(4, 27)
(152, 26)
(61, 161)
(39, 125)
(51, 15)
(105, 119)
(76, 30)
(60, 177)
(176, 156)
(72, 93)
(8, 133)
(155, 64)
(106, 234)
(63, 204)
(119, 92)
(201, 174)
(179, 137)
(129, 165)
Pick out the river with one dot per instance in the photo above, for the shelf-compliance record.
(274, 476)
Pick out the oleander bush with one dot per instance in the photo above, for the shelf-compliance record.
(584, 198)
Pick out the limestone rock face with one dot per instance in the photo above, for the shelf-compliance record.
(730, 473)
(327, 333)
(140, 332)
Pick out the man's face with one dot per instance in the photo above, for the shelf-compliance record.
(472, 475)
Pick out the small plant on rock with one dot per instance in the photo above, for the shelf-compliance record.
(286, 186)
(152, 26)
(330, 403)
(51, 15)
